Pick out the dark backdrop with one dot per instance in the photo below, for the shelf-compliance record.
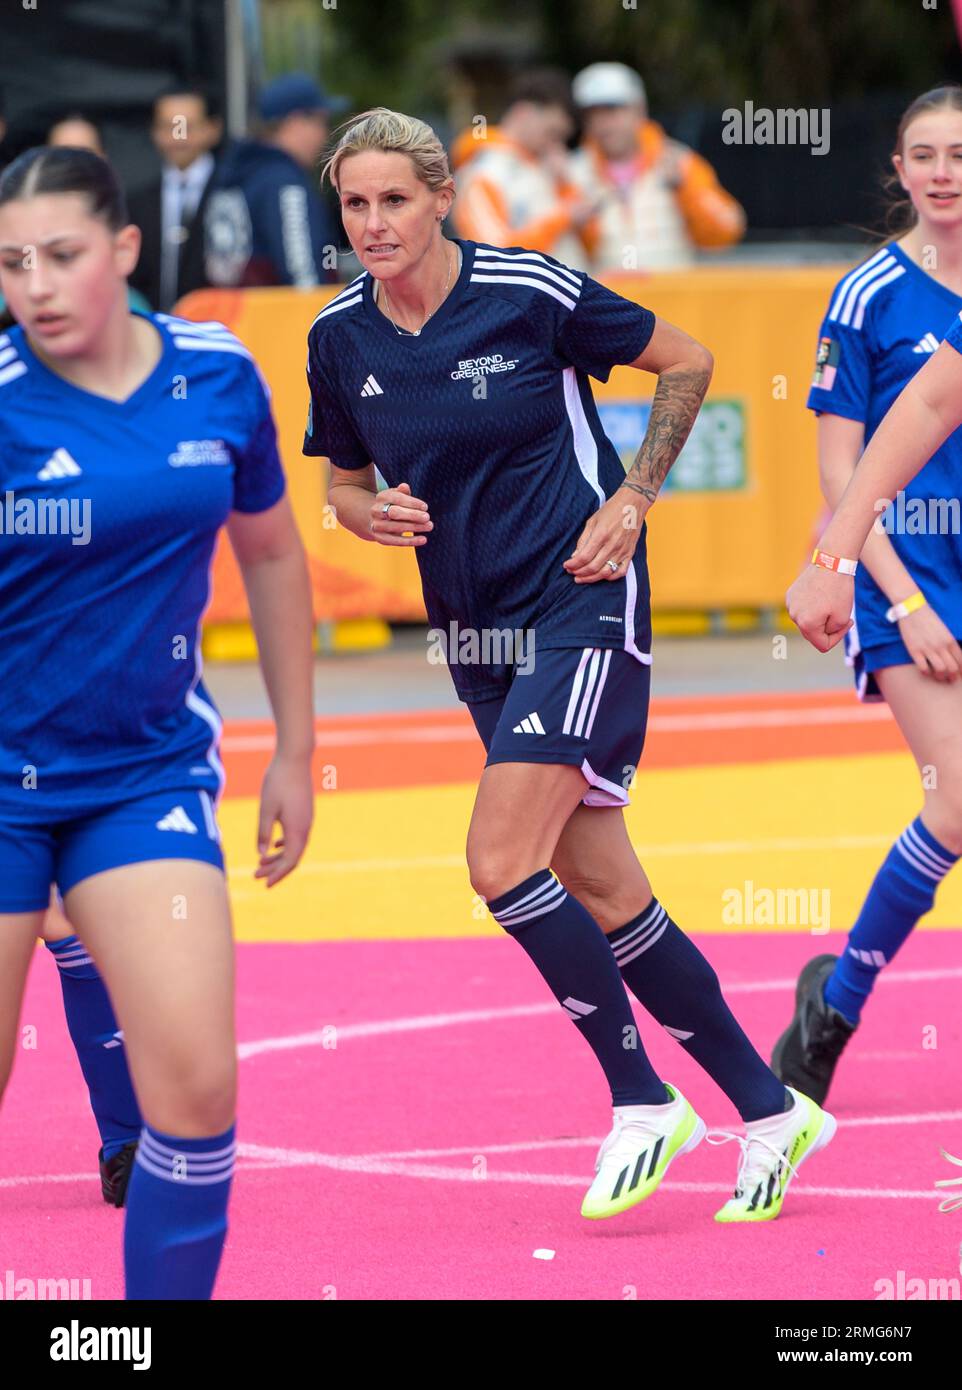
(108, 59)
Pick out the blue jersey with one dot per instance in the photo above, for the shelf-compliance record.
(884, 319)
(108, 516)
(487, 413)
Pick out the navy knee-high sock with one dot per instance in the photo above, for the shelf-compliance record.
(100, 1049)
(668, 974)
(569, 948)
(903, 891)
(177, 1214)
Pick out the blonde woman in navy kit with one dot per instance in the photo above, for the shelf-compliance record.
(461, 371)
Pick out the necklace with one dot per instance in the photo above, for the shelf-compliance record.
(415, 332)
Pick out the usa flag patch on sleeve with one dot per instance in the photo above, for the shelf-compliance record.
(826, 363)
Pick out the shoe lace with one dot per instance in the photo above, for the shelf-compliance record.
(950, 1203)
(637, 1132)
(759, 1159)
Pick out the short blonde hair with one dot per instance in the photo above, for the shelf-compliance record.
(393, 133)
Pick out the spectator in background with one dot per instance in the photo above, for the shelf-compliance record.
(77, 131)
(266, 223)
(186, 131)
(659, 200)
(514, 184)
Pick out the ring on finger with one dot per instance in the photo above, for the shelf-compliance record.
(613, 565)
(386, 509)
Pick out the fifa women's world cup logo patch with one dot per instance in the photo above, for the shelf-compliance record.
(826, 362)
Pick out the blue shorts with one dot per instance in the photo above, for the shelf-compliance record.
(873, 643)
(164, 825)
(865, 663)
(584, 706)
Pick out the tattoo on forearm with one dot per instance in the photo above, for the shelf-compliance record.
(678, 397)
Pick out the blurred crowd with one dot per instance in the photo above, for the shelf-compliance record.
(578, 169)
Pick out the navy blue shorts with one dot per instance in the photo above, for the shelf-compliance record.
(583, 706)
(163, 825)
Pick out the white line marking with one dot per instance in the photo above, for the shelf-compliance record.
(28, 1179)
(416, 1023)
(390, 1025)
(592, 1141)
(364, 1163)
(356, 738)
(657, 723)
(394, 1162)
(795, 844)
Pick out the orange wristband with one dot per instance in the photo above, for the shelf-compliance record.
(833, 562)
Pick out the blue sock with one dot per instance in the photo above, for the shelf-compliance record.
(177, 1214)
(100, 1050)
(569, 948)
(903, 891)
(678, 987)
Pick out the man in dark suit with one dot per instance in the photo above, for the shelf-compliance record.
(170, 211)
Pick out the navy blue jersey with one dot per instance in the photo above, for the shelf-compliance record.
(108, 516)
(488, 415)
(884, 319)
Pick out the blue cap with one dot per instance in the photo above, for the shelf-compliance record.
(295, 91)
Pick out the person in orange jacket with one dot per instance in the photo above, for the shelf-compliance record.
(513, 179)
(658, 201)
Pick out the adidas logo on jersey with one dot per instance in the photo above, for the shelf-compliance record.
(530, 724)
(927, 344)
(193, 453)
(177, 819)
(371, 388)
(59, 465)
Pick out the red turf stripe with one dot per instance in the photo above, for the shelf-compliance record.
(437, 747)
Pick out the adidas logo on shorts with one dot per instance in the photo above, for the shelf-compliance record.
(530, 724)
(177, 819)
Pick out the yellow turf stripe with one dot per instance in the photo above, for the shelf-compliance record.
(391, 863)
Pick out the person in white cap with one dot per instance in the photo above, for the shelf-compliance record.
(513, 180)
(659, 200)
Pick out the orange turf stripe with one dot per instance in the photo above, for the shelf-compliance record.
(434, 747)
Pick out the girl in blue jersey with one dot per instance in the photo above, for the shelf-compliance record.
(461, 371)
(126, 442)
(885, 321)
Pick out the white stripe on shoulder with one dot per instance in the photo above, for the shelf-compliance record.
(873, 288)
(11, 373)
(183, 340)
(207, 328)
(336, 305)
(530, 260)
(350, 294)
(209, 336)
(511, 277)
(843, 286)
(868, 274)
